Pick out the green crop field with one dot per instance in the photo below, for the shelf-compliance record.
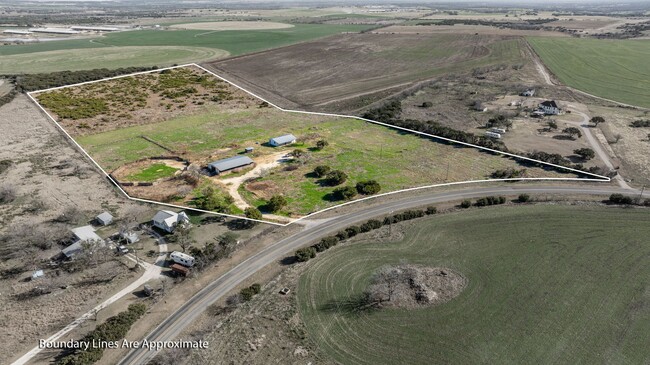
(546, 285)
(176, 46)
(107, 57)
(614, 69)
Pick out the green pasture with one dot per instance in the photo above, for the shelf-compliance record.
(546, 285)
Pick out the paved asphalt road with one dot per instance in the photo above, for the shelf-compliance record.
(171, 327)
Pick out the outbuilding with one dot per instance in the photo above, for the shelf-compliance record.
(104, 219)
(230, 163)
(282, 140)
(85, 234)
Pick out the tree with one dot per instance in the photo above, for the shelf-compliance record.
(252, 213)
(523, 198)
(572, 132)
(297, 153)
(466, 203)
(182, 236)
(383, 285)
(368, 187)
(336, 177)
(585, 153)
(552, 124)
(215, 200)
(322, 170)
(426, 104)
(276, 203)
(345, 193)
(227, 241)
(322, 144)
(597, 120)
(500, 121)
(305, 254)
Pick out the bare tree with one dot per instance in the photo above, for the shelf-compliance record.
(383, 285)
(182, 236)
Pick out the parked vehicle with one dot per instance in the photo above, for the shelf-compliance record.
(182, 258)
(492, 135)
(180, 270)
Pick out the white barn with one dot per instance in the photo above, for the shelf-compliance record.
(282, 140)
(550, 107)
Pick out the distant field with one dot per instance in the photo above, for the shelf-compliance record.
(107, 57)
(235, 42)
(233, 25)
(573, 290)
(612, 69)
(321, 72)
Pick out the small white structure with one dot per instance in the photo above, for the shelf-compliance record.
(493, 135)
(16, 32)
(181, 258)
(37, 274)
(129, 237)
(498, 130)
(550, 107)
(282, 140)
(104, 219)
(529, 92)
(85, 234)
(168, 220)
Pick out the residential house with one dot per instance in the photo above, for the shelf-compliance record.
(85, 234)
(550, 107)
(168, 220)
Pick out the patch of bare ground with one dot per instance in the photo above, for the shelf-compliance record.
(413, 286)
(327, 74)
(140, 99)
(54, 189)
(630, 146)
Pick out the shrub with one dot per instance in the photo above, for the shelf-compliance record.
(426, 104)
(369, 187)
(621, 199)
(336, 177)
(248, 293)
(305, 254)
(523, 198)
(276, 203)
(353, 231)
(345, 193)
(431, 210)
(322, 170)
(342, 235)
(253, 213)
(214, 200)
(490, 200)
(370, 225)
(466, 204)
(322, 144)
(585, 153)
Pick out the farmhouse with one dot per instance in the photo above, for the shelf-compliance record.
(85, 234)
(549, 107)
(282, 140)
(168, 220)
(104, 219)
(230, 163)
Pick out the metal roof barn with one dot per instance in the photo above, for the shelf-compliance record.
(282, 140)
(230, 163)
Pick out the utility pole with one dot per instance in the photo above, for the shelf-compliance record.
(641, 195)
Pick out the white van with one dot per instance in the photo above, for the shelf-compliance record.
(181, 258)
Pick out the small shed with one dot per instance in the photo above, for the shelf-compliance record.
(248, 149)
(129, 237)
(282, 140)
(104, 219)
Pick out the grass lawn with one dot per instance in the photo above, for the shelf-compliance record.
(153, 173)
(177, 47)
(546, 284)
(613, 69)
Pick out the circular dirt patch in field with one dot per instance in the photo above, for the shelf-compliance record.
(413, 286)
(233, 25)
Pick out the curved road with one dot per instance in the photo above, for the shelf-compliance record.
(171, 327)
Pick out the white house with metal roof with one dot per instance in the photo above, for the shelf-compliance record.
(282, 140)
(230, 163)
(85, 234)
(168, 220)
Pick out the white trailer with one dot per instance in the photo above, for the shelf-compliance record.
(492, 135)
(498, 130)
(181, 258)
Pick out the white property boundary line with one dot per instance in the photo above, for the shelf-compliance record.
(596, 178)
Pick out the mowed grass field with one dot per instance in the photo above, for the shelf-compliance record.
(614, 69)
(546, 285)
(397, 160)
(188, 46)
